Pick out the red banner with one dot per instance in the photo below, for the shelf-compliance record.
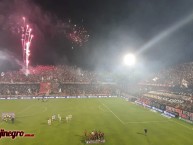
(45, 88)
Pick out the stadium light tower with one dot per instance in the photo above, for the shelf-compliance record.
(129, 59)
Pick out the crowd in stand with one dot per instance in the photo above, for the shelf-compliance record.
(60, 73)
(62, 90)
(188, 106)
(178, 79)
(175, 83)
(180, 75)
(64, 80)
(19, 89)
(88, 89)
(168, 96)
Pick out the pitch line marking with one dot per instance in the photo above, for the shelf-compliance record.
(100, 108)
(145, 122)
(182, 125)
(114, 114)
(103, 109)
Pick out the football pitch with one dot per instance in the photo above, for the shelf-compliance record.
(122, 122)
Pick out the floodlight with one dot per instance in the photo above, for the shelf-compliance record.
(129, 59)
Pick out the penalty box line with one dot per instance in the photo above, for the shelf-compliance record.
(114, 114)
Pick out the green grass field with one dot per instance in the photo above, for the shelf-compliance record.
(121, 121)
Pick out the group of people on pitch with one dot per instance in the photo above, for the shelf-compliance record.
(94, 136)
(7, 117)
(53, 118)
(59, 118)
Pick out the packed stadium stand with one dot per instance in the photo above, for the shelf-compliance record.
(59, 80)
(170, 90)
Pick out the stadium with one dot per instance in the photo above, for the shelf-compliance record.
(59, 86)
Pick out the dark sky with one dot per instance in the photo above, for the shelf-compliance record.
(159, 32)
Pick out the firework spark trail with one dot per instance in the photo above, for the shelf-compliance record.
(75, 33)
(26, 38)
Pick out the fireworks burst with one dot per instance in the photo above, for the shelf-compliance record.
(26, 38)
(78, 35)
(75, 33)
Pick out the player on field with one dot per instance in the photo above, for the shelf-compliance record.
(85, 132)
(67, 119)
(12, 119)
(49, 121)
(60, 118)
(53, 117)
(145, 130)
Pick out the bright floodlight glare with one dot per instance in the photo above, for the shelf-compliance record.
(129, 59)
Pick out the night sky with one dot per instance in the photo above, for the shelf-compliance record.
(159, 32)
